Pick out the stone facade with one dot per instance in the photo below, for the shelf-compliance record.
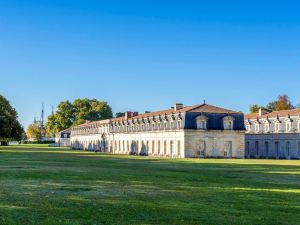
(179, 132)
(273, 135)
(62, 139)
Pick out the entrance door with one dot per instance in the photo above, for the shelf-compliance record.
(228, 149)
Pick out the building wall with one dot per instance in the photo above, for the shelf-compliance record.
(215, 143)
(281, 145)
(273, 137)
(162, 144)
(62, 142)
(170, 144)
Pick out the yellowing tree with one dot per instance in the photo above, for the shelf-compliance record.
(34, 132)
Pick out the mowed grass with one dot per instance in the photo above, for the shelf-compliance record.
(41, 185)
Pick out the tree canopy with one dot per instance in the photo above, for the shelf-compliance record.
(254, 108)
(10, 128)
(281, 103)
(69, 114)
(35, 131)
(120, 114)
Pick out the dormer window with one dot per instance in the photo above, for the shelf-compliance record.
(202, 122)
(288, 124)
(248, 126)
(267, 127)
(257, 127)
(179, 124)
(277, 127)
(228, 123)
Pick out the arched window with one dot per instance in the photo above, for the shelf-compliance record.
(165, 147)
(201, 122)
(178, 148)
(153, 147)
(228, 122)
(158, 147)
(171, 148)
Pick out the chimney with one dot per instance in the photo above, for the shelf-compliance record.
(135, 114)
(147, 112)
(128, 115)
(178, 106)
(262, 111)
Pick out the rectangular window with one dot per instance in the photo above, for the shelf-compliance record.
(266, 149)
(277, 148)
(165, 147)
(248, 148)
(288, 148)
(256, 147)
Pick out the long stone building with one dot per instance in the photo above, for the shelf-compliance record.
(273, 135)
(179, 132)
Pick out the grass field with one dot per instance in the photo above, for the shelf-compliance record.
(40, 185)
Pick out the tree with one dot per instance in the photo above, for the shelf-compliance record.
(10, 128)
(81, 110)
(120, 114)
(34, 132)
(281, 103)
(91, 109)
(254, 108)
(271, 106)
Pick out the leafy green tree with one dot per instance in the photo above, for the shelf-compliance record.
(271, 106)
(81, 110)
(10, 128)
(254, 108)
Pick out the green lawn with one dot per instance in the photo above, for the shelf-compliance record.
(40, 185)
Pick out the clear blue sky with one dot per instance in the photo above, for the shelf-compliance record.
(147, 55)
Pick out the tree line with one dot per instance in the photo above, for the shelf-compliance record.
(281, 103)
(69, 114)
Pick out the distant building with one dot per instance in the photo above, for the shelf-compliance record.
(273, 135)
(62, 139)
(179, 132)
